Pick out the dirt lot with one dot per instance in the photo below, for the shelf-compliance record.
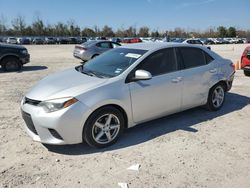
(194, 148)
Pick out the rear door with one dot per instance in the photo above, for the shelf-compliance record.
(198, 71)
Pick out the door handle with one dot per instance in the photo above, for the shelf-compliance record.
(213, 70)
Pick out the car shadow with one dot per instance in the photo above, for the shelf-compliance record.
(27, 69)
(150, 130)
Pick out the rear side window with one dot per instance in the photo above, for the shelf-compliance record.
(192, 57)
(160, 62)
(208, 58)
(103, 45)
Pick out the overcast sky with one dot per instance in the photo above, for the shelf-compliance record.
(156, 14)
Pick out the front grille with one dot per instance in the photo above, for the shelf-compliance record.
(28, 120)
(31, 101)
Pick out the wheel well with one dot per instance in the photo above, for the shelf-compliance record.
(8, 56)
(94, 56)
(223, 83)
(120, 109)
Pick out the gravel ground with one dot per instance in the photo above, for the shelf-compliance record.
(195, 148)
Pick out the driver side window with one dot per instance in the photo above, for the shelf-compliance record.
(159, 62)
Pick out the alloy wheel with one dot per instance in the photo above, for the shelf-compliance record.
(218, 96)
(106, 128)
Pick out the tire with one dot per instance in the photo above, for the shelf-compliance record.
(247, 73)
(11, 64)
(98, 132)
(214, 102)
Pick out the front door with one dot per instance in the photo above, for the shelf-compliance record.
(160, 95)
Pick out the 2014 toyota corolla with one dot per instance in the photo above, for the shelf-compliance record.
(124, 87)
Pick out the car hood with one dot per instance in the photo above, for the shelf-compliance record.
(12, 46)
(69, 83)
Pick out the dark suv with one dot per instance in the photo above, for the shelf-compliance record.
(12, 57)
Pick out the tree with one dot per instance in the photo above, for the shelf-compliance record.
(38, 27)
(107, 31)
(155, 34)
(222, 31)
(19, 25)
(143, 32)
(61, 29)
(130, 32)
(231, 32)
(87, 32)
(74, 30)
(3, 27)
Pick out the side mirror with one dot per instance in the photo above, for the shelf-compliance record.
(142, 75)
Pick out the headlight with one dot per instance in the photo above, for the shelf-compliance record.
(57, 104)
(24, 51)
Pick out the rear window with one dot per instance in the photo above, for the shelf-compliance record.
(192, 57)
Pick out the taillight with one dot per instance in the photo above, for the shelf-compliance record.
(80, 48)
(232, 65)
(244, 53)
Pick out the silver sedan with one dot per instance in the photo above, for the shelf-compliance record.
(123, 87)
(91, 49)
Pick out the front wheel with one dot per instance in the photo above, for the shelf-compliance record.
(103, 127)
(216, 97)
(247, 73)
(11, 64)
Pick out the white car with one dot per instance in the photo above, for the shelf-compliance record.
(123, 87)
(11, 40)
(193, 41)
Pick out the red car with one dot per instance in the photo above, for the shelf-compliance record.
(131, 40)
(245, 61)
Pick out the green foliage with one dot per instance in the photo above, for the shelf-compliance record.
(231, 32)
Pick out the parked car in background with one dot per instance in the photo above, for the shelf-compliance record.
(207, 41)
(129, 85)
(91, 49)
(38, 40)
(100, 38)
(83, 39)
(62, 40)
(245, 61)
(131, 40)
(11, 40)
(50, 40)
(23, 40)
(73, 40)
(13, 57)
(116, 39)
(193, 41)
(178, 40)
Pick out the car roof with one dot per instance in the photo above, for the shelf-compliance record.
(156, 45)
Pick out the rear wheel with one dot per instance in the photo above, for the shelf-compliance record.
(103, 127)
(11, 64)
(247, 73)
(216, 97)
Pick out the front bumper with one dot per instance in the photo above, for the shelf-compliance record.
(61, 127)
(246, 68)
(25, 59)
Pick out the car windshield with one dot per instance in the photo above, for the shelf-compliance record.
(111, 63)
